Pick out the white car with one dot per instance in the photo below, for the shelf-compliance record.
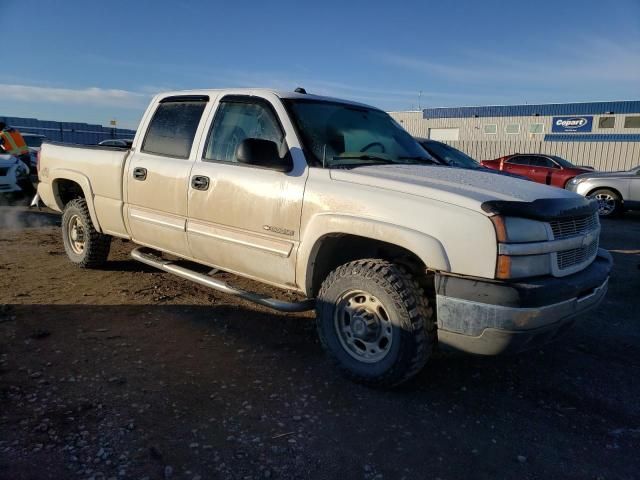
(34, 142)
(14, 176)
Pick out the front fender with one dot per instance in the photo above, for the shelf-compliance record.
(85, 184)
(427, 248)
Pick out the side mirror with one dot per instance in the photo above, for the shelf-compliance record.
(262, 153)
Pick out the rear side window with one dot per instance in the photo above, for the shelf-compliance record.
(519, 161)
(173, 128)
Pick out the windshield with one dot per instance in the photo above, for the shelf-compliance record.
(341, 135)
(33, 141)
(562, 162)
(449, 155)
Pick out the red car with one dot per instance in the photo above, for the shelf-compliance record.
(547, 169)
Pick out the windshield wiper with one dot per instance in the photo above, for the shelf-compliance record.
(421, 159)
(366, 156)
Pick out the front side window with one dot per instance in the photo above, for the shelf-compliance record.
(236, 121)
(341, 135)
(541, 162)
(173, 128)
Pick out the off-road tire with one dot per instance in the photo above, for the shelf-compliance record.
(96, 244)
(409, 311)
(617, 209)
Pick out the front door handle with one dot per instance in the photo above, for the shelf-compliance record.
(140, 173)
(200, 182)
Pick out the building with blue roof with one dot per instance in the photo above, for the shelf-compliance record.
(604, 135)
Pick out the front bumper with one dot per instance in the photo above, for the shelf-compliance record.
(490, 317)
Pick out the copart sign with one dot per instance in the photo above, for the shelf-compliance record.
(572, 124)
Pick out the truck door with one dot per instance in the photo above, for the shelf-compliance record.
(246, 219)
(157, 179)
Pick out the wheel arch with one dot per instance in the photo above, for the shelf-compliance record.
(68, 185)
(592, 190)
(333, 240)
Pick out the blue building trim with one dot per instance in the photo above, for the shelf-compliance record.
(549, 109)
(69, 132)
(593, 137)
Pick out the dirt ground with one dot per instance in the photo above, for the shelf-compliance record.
(126, 372)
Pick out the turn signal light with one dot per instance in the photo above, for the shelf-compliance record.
(503, 267)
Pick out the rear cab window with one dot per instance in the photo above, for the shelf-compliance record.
(173, 127)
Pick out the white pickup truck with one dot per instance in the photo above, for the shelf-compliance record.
(334, 200)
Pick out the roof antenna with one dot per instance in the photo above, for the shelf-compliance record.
(300, 90)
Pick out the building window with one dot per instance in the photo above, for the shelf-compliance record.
(512, 129)
(607, 122)
(631, 122)
(537, 128)
(491, 129)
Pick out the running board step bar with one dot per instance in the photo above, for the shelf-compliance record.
(148, 257)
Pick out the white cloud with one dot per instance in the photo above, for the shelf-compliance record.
(588, 63)
(91, 96)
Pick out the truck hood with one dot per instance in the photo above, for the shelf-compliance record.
(466, 188)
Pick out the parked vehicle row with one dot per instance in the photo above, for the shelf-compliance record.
(614, 191)
(547, 169)
(335, 201)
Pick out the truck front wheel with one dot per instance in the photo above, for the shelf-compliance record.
(375, 322)
(85, 246)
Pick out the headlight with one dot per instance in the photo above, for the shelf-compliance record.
(521, 230)
(22, 171)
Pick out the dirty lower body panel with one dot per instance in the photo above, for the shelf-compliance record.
(491, 317)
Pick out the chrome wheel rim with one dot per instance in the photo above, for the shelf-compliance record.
(606, 203)
(363, 326)
(76, 234)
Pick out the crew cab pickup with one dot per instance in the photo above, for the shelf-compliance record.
(333, 200)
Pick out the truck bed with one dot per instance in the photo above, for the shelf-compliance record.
(99, 170)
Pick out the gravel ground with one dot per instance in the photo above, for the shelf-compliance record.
(126, 372)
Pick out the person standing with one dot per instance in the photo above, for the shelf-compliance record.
(12, 143)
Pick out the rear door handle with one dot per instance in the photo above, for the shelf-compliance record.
(200, 182)
(140, 173)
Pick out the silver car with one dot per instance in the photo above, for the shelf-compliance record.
(615, 191)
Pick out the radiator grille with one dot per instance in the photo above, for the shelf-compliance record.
(575, 226)
(576, 256)
(4, 171)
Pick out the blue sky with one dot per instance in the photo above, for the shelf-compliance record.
(93, 61)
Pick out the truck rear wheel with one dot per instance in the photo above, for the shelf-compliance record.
(85, 246)
(375, 322)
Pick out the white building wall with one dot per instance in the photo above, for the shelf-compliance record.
(606, 156)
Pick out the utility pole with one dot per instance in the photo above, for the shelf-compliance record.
(420, 100)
